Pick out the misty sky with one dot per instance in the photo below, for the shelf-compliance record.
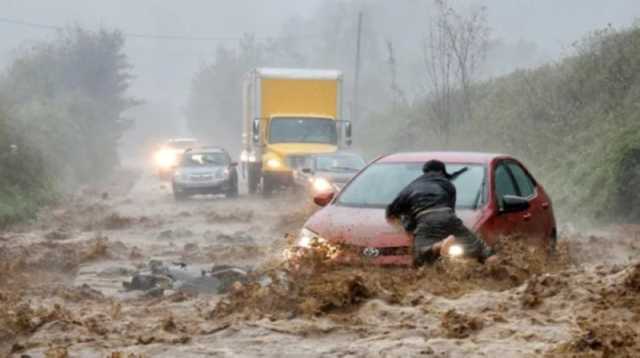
(164, 68)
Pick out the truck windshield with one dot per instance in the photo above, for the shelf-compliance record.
(303, 130)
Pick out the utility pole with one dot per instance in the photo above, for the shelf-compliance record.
(356, 82)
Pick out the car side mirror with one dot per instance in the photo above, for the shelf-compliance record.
(348, 131)
(324, 198)
(514, 204)
(307, 170)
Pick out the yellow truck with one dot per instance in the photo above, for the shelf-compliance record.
(289, 114)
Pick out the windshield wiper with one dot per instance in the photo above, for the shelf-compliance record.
(345, 169)
(457, 173)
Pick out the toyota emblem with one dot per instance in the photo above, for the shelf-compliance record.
(371, 252)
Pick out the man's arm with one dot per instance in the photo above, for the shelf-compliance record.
(451, 190)
(399, 205)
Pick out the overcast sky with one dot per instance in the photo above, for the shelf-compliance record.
(164, 68)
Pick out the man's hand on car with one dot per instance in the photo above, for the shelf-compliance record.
(491, 260)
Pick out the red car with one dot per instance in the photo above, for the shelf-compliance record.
(496, 196)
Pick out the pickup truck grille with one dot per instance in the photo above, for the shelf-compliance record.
(296, 161)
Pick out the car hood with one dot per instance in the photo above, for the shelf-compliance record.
(367, 227)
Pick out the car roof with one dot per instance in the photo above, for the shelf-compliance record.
(445, 156)
(338, 153)
(206, 150)
(178, 140)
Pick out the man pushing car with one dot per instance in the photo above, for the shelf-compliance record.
(426, 208)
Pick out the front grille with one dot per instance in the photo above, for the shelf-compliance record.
(296, 161)
(394, 251)
(378, 251)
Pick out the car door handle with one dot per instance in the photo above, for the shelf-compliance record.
(526, 217)
(545, 205)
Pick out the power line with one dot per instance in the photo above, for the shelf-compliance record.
(142, 35)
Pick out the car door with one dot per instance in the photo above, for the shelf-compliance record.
(504, 223)
(535, 218)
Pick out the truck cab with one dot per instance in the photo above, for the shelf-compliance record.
(289, 115)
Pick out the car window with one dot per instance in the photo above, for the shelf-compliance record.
(380, 183)
(524, 182)
(504, 183)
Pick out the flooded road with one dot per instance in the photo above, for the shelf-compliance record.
(62, 292)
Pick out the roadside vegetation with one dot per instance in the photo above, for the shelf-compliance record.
(577, 120)
(61, 105)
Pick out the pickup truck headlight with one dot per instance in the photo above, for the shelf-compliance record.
(321, 185)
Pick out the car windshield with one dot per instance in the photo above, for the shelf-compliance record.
(380, 183)
(339, 163)
(203, 159)
(303, 130)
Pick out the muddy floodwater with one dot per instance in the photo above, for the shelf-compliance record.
(62, 291)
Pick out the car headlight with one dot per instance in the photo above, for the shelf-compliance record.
(321, 185)
(244, 156)
(456, 251)
(308, 238)
(165, 158)
(274, 163)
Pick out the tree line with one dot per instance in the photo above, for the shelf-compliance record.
(61, 105)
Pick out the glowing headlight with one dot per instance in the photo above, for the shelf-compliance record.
(165, 158)
(456, 251)
(274, 163)
(321, 184)
(244, 156)
(307, 238)
(252, 158)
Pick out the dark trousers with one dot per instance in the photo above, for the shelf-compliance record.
(434, 227)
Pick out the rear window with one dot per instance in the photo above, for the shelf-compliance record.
(203, 159)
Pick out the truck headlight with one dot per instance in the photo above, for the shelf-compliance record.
(456, 251)
(321, 185)
(274, 163)
(244, 156)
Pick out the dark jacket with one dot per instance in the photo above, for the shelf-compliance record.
(430, 191)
